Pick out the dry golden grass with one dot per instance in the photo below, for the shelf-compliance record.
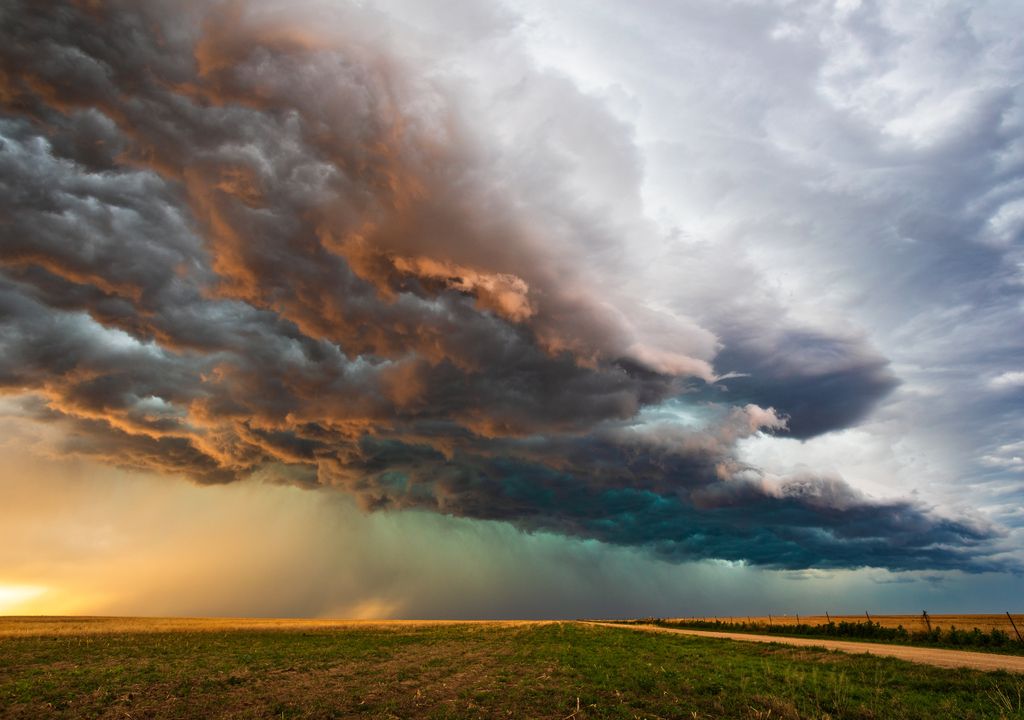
(47, 626)
(986, 623)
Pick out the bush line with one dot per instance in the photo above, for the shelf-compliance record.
(954, 637)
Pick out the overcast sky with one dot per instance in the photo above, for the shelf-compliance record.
(466, 308)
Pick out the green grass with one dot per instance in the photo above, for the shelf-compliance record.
(474, 671)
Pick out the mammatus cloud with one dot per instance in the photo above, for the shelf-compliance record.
(248, 240)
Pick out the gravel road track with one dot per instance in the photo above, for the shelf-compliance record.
(928, 656)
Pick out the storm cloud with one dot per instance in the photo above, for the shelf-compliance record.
(245, 239)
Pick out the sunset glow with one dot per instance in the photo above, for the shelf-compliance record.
(17, 599)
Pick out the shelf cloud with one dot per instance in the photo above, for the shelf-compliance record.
(313, 244)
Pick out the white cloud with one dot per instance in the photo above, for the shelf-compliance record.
(1008, 380)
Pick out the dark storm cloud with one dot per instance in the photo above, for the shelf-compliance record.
(671, 501)
(820, 383)
(239, 243)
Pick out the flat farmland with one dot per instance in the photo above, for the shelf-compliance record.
(40, 626)
(169, 668)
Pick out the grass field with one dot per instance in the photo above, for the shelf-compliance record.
(96, 668)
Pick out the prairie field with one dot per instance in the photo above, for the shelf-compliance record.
(198, 668)
(85, 625)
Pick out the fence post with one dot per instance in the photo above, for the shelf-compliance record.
(927, 620)
(1014, 626)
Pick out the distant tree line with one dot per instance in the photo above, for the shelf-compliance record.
(953, 637)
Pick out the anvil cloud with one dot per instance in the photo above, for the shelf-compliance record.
(327, 245)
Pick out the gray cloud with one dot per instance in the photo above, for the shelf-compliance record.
(820, 382)
(243, 240)
(856, 166)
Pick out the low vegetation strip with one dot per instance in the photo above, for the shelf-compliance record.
(994, 640)
(555, 670)
(919, 621)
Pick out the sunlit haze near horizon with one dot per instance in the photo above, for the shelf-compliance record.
(518, 309)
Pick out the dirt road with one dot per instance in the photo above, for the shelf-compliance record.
(928, 656)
